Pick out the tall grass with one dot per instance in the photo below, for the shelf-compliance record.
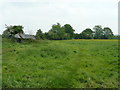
(61, 64)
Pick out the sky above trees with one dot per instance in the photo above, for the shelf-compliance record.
(42, 14)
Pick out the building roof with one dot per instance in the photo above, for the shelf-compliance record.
(24, 36)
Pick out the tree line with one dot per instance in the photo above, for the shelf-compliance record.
(58, 32)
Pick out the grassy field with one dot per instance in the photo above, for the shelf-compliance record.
(60, 64)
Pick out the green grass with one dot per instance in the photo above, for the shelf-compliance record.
(60, 64)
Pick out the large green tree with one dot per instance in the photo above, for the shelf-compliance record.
(87, 34)
(98, 32)
(12, 30)
(40, 34)
(56, 32)
(108, 34)
(69, 29)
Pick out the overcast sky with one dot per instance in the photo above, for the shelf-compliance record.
(42, 14)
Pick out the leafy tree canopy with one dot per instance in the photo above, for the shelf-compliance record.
(108, 34)
(98, 32)
(12, 30)
(40, 34)
(69, 29)
(87, 34)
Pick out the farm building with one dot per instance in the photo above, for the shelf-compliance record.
(24, 36)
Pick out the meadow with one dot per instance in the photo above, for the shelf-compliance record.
(60, 64)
